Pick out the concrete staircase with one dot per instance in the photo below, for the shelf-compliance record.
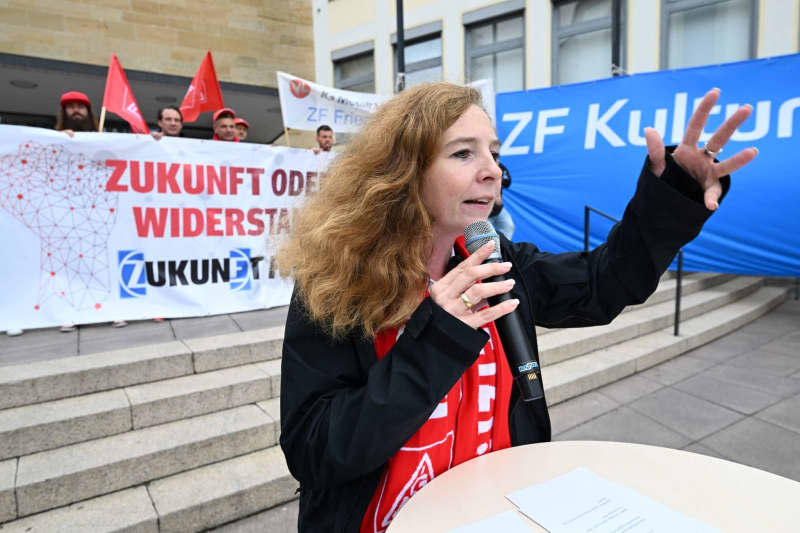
(182, 436)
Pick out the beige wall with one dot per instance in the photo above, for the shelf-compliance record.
(250, 39)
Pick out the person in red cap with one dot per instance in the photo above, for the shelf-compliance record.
(225, 125)
(241, 128)
(75, 114)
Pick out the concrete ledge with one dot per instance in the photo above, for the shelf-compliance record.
(219, 493)
(44, 426)
(573, 377)
(58, 477)
(233, 349)
(129, 510)
(573, 342)
(8, 501)
(273, 409)
(198, 394)
(72, 376)
(273, 370)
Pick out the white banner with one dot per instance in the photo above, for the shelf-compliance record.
(107, 226)
(306, 105)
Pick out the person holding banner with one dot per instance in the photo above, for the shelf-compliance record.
(392, 367)
(225, 125)
(75, 114)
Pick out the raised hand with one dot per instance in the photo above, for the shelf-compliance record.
(460, 294)
(699, 162)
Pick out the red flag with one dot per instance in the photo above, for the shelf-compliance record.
(204, 93)
(119, 98)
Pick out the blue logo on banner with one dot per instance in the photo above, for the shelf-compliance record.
(241, 277)
(239, 270)
(132, 280)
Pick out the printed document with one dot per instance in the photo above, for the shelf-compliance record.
(581, 501)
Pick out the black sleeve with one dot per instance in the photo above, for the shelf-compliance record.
(585, 289)
(340, 421)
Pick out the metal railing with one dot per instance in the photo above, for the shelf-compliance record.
(588, 210)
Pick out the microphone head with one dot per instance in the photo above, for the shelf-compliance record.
(479, 233)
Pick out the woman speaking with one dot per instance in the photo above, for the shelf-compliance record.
(392, 369)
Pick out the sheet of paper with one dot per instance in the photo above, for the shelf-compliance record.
(507, 522)
(581, 501)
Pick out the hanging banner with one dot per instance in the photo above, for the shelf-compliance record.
(583, 144)
(306, 105)
(107, 226)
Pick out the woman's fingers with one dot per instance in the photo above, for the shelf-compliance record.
(655, 149)
(724, 132)
(489, 314)
(698, 120)
(735, 162)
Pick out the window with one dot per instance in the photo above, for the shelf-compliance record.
(355, 73)
(495, 49)
(581, 41)
(707, 32)
(423, 59)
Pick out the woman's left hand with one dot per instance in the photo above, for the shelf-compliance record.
(698, 162)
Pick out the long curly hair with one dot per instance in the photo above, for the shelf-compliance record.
(358, 248)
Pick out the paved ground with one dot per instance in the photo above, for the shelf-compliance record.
(51, 343)
(737, 398)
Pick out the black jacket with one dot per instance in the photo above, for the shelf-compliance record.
(344, 413)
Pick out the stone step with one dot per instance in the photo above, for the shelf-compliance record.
(573, 342)
(194, 500)
(691, 283)
(48, 425)
(59, 477)
(67, 377)
(587, 372)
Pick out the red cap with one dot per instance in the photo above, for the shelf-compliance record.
(75, 96)
(224, 111)
(242, 121)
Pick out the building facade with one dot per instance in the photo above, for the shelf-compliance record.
(528, 44)
(51, 46)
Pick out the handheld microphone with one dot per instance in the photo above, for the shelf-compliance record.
(522, 357)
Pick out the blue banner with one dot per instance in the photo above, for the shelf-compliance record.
(576, 145)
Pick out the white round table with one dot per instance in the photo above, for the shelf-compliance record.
(732, 497)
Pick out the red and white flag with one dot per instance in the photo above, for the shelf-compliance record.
(119, 98)
(204, 93)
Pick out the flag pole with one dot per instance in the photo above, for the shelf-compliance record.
(288, 140)
(102, 119)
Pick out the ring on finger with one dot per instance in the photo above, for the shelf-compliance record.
(466, 300)
(711, 153)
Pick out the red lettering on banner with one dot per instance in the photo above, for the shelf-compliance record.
(113, 184)
(213, 222)
(283, 221)
(235, 179)
(295, 182)
(271, 211)
(279, 182)
(175, 221)
(152, 223)
(255, 175)
(234, 219)
(167, 177)
(156, 222)
(192, 222)
(252, 218)
(137, 184)
(187, 179)
(219, 180)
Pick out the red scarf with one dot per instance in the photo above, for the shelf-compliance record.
(471, 420)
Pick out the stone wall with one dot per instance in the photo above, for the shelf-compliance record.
(249, 39)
